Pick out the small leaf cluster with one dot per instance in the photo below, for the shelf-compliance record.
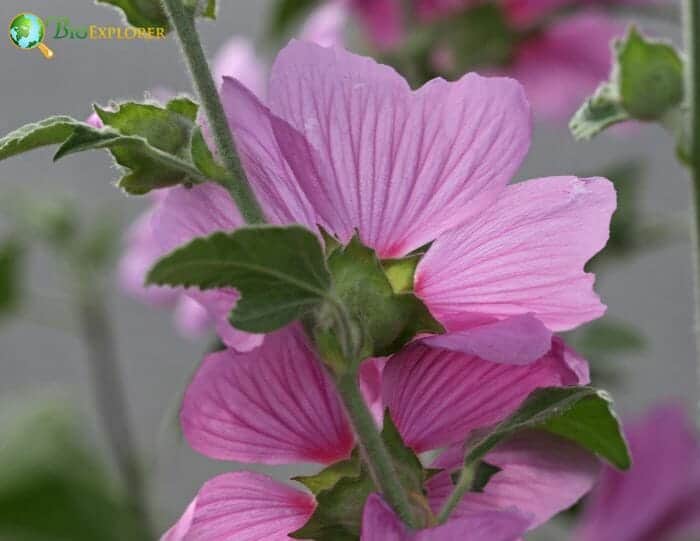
(646, 84)
(156, 146)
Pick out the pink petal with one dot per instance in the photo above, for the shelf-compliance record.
(399, 166)
(186, 213)
(236, 58)
(141, 251)
(541, 475)
(514, 340)
(273, 405)
(658, 498)
(380, 523)
(243, 506)
(270, 176)
(437, 397)
(563, 65)
(526, 254)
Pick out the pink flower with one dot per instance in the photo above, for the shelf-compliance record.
(657, 500)
(276, 405)
(345, 144)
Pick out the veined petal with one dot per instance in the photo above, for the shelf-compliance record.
(514, 340)
(237, 58)
(268, 172)
(273, 405)
(525, 254)
(437, 397)
(380, 523)
(398, 166)
(541, 475)
(243, 506)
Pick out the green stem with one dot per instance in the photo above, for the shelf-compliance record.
(110, 395)
(691, 24)
(463, 485)
(237, 184)
(374, 451)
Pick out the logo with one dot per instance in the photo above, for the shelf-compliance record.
(27, 31)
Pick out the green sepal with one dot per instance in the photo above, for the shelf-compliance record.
(400, 272)
(280, 272)
(327, 478)
(390, 320)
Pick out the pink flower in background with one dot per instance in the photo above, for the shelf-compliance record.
(345, 144)
(276, 405)
(559, 64)
(659, 498)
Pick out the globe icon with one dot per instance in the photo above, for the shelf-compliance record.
(27, 32)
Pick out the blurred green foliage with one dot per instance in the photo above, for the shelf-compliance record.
(53, 485)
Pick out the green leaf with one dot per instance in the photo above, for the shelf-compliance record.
(203, 158)
(609, 337)
(50, 131)
(650, 76)
(598, 112)
(53, 487)
(390, 319)
(581, 414)
(279, 271)
(287, 13)
(141, 13)
(10, 276)
(152, 143)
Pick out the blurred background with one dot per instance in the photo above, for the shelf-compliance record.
(40, 349)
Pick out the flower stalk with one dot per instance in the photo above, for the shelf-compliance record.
(691, 24)
(110, 394)
(374, 452)
(237, 183)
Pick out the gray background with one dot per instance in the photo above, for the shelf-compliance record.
(652, 291)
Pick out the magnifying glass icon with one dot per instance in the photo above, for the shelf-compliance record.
(27, 32)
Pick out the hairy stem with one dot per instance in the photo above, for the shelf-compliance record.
(691, 23)
(110, 395)
(237, 183)
(374, 452)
